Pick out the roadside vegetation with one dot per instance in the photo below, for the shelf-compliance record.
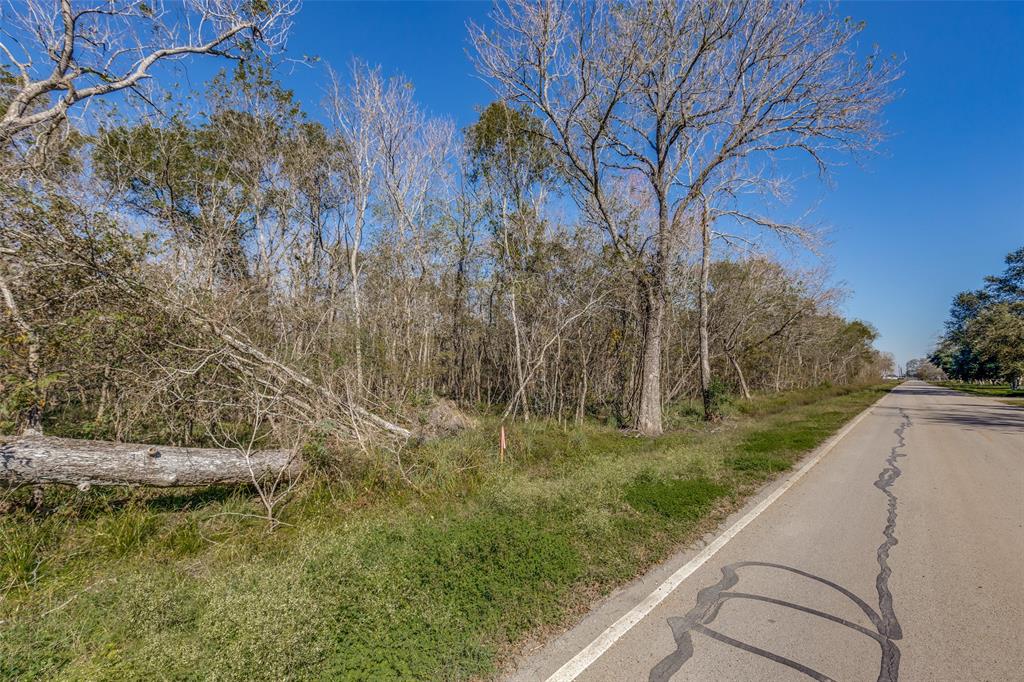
(983, 345)
(194, 265)
(345, 301)
(439, 577)
(1007, 393)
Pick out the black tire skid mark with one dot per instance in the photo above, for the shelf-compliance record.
(711, 599)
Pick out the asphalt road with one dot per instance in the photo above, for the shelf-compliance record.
(899, 555)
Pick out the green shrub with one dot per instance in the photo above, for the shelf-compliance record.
(719, 397)
(674, 498)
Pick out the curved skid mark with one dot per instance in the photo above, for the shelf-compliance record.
(805, 609)
(788, 662)
(861, 604)
(711, 599)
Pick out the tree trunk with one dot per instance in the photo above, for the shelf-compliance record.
(778, 375)
(710, 410)
(353, 271)
(33, 417)
(581, 407)
(82, 463)
(648, 418)
(516, 334)
(739, 373)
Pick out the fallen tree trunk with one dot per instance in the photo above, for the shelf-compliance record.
(83, 463)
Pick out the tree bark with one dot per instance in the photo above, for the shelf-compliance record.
(649, 415)
(710, 411)
(83, 463)
(353, 269)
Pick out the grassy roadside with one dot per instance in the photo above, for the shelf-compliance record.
(381, 580)
(1003, 392)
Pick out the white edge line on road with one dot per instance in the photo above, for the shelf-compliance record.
(581, 661)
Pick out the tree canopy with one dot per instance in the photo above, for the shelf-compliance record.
(984, 337)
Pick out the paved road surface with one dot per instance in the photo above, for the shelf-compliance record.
(900, 555)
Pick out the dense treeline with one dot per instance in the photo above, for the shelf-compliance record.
(984, 337)
(237, 263)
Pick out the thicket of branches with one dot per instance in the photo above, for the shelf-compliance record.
(234, 259)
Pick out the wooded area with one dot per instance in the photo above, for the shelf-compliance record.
(234, 268)
(984, 338)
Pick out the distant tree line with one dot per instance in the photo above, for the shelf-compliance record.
(222, 262)
(923, 368)
(984, 337)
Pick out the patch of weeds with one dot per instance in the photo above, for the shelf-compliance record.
(719, 397)
(988, 390)
(785, 437)
(316, 454)
(125, 530)
(32, 653)
(683, 414)
(687, 498)
(22, 553)
(497, 563)
(371, 577)
(774, 403)
(185, 539)
(758, 463)
(435, 599)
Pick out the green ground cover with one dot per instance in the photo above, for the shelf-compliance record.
(1003, 392)
(436, 574)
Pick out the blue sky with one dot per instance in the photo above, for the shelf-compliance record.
(929, 217)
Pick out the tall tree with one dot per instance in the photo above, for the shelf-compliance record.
(512, 164)
(355, 113)
(984, 338)
(691, 98)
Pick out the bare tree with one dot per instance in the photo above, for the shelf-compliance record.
(63, 53)
(755, 301)
(680, 94)
(416, 151)
(359, 115)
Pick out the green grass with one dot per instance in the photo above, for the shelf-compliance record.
(437, 577)
(677, 498)
(1013, 397)
(758, 463)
